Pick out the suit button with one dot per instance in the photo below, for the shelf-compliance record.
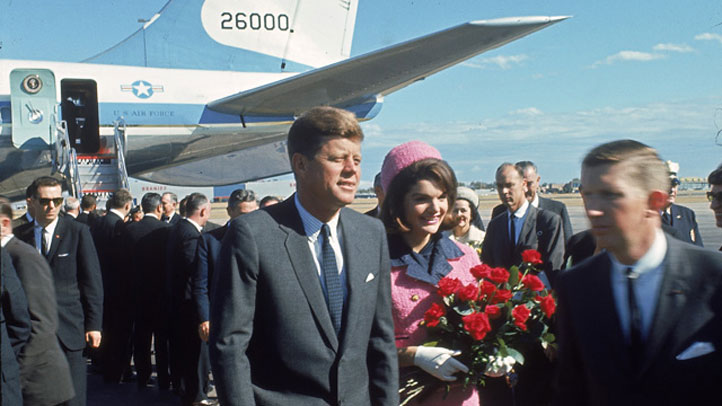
(414, 298)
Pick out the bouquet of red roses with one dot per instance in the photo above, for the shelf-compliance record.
(486, 320)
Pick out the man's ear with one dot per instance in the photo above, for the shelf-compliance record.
(298, 163)
(657, 199)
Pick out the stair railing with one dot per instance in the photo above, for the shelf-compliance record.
(120, 149)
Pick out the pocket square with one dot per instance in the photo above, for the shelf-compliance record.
(695, 350)
(63, 255)
(370, 277)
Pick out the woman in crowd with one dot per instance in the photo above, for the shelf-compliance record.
(466, 216)
(420, 188)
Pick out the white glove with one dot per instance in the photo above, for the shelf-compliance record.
(439, 362)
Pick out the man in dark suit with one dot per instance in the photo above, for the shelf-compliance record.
(170, 204)
(641, 322)
(14, 330)
(118, 312)
(679, 217)
(379, 190)
(301, 310)
(28, 216)
(185, 344)
(144, 243)
(532, 178)
(521, 227)
(69, 249)
(715, 195)
(44, 371)
(88, 204)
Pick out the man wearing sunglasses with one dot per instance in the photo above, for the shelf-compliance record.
(678, 217)
(68, 247)
(715, 195)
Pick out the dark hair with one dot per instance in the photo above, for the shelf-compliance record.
(241, 195)
(43, 181)
(643, 166)
(87, 202)
(150, 202)
(120, 198)
(377, 181)
(182, 206)
(310, 131)
(715, 177)
(194, 202)
(505, 165)
(6, 209)
(393, 212)
(264, 202)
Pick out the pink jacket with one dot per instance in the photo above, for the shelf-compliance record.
(411, 298)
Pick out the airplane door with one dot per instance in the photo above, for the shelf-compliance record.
(33, 101)
(79, 108)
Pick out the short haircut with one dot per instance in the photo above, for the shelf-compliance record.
(120, 198)
(643, 167)
(505, 165)
(194, 202)
(172, 195)
(71, 203)
(316, 126)
(268, 199)
(715, 177)
(29, 191)
(43, 181)
(436, 171)
(88, 202)
(377, 181)
(6, 209)
(182, 206)
(526, 164)
(150, 202)
(240, 196)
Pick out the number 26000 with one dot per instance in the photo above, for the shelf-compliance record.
(254, 21)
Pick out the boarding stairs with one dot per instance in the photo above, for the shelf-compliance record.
(100, 173)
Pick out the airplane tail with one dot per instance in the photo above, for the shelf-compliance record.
(261, 36)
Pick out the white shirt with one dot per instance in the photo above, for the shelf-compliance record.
(649, 270)
(118, 213)
(152, 215)
(312, 227)
(196, 225)
(535, 200)
(49, 231)
(4, 241)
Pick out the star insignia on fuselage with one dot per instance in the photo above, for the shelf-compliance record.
(142, 89)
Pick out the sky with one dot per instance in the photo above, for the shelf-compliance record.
(647, 70)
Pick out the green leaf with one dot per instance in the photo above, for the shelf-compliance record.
(513, 275)
(516, 355)
(549, 338)
(431, 344)
(448, 300)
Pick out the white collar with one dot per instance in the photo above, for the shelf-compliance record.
(196, 225)
(50, 228)
(152, 215)
(118, 213)
(4, 241)
(535, 201)
(521, 211)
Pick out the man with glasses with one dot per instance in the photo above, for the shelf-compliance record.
(680, 218)
(68, 247)
(715, 195)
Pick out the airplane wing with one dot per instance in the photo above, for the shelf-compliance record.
(375, 74)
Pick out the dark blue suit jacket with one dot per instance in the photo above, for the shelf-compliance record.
(209, 249)
(550, 205)
(684, 221)
(14, 330)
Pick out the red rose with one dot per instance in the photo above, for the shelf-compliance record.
(532, 256)
(501, 296)
(521, 315)
(547, 304)
(532, 282)
(499, 275)
(468, 292)
(487, 288)
(448, 286)
(482, 271)
(493, 312)
(432, 316)
(477, 324)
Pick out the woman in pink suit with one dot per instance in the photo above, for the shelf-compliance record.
(420, 188)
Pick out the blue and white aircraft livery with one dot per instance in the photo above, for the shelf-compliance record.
(203, 94)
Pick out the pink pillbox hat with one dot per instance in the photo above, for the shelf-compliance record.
(402, 156)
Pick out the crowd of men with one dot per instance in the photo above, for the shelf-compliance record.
(291, 304)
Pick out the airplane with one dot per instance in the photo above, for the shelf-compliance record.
(204, 93)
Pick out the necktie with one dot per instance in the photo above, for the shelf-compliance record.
(43, 243)
(635, 320)
(334, 291)
(512, 235)
(666, 218)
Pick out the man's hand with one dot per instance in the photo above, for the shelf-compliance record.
(93, 338)
(204, 329)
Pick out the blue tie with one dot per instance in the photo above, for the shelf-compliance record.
(334, 291)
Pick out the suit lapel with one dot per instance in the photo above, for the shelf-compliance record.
(355, 276)
(527, 238)
(56, 238)
(303, 265)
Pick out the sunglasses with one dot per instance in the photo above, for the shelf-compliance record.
(714, 196)
(44, 201)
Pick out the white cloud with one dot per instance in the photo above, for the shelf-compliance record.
(708, 36)
(629, 56)
(504, 62)
(682, 48)
(529, 111)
